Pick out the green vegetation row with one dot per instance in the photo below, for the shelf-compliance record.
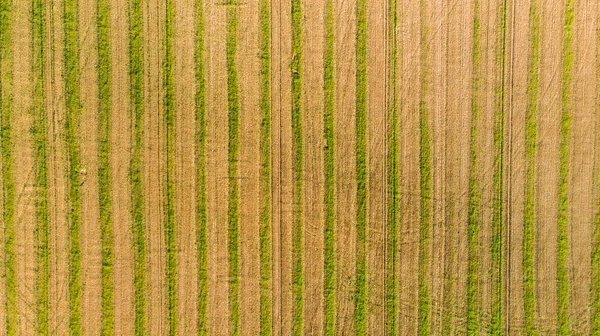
(73, 115)
(595, 283)
(297, 173)
(361, 168)
(169, 205)
(233, 217)
(38, 132)
(329, 163)
(531, 171)
(104, 168)
(425, 180)
(393, 178)
(497, 250)
(200, 162)
(563, 323)
(8, 181)
(266, 258)
(474, 216)
(136, 92)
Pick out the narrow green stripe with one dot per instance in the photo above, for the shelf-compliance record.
(495, 327)
(169, 205)
(104, 168)
(233, 217)
(200, 153)
(8, 182)
(474, 217)
(136, 91)
(329, 167)
(361, 168)
(38, 132)
(531, 172)
(297, 173)
(425, 178)
(73, 115)
(563, 323)
(595, 280)
(266, 258)
(391, 310)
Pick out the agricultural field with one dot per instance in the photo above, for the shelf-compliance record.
(299, 167)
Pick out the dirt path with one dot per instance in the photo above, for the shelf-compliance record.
(313, 106)
(185, 193)
(247, 64)
(549, 130)
(344, 116)
(90, 226)
(216, 90)
(582, 196)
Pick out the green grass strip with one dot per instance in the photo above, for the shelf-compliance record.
(73, 115)
(329, 165)
(104, 168)
(563, 323)
(297, 173)
(8, 182)
(136, 91)
(595, 279)
(391, 308)
(169, 205)
(497, 249)
(200, 154)
(233, 216)
(474, 216)
(266, 257)
(425, 179)
(38, 131)
(531, 171)
(361, 169)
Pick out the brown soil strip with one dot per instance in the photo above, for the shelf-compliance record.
(247, 64)
(185, 193)
(409, 167)
(218, 309)
(459, 74)
(438, 103)
(344, 116)
(23, 172)
(376, 165)
(120, 160)
(282, 180)
(57, 165)
(582, 193)
(154, 167)
(314, 174)
(91, 247)
(549, 130)
(518, 70)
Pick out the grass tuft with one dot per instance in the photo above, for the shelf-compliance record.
(474, 217)
(329, 167)
(169, 205)
(200, 154)
(425, 179)
(297, 173)
(73, 115)
(233, 218)
(136, 91)
(392, 177)
(563, 323)
(266, 258)
(104, 168)
(8, 181)
(531, 172)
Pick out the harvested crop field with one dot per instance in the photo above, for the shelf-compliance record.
(299, 167)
